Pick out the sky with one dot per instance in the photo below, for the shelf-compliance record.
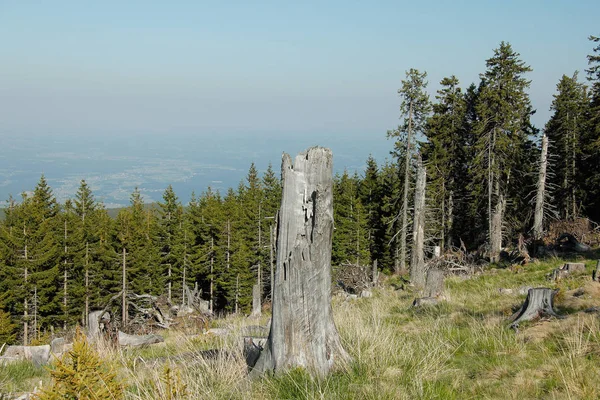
(124, 68)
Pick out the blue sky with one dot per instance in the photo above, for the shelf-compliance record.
(124, 67)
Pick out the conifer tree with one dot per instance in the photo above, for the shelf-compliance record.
(591, 137)
(414, 110)
(502, 129)
(170, 241)
(444, 154)
(370, 193)
(564, 130)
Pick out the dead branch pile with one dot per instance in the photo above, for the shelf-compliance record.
(456, 261)
(582, 229)
(353, 278)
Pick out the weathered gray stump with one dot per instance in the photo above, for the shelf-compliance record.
(425, 301)
(567, 269)
(417, 263)
(126, 340)
(538, 220)
(303, 333)
(596, 273)
(434, 284)
(256, 307)
(96, 320)
(539, 303)
(38, 355)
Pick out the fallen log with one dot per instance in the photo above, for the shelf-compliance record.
(138, 340)
(38, 355)
(425, 301)
(539, 303)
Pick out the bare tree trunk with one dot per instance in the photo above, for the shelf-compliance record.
(303, 333)
(272, 246)
(496, 225)
(212, 278)
(417, 264)
(538, 222)
(124, 289)
(87, 285)
(450, 224)
(25, 303)
(256, 308)
(65, 278)
(402, 255)
(375, 274)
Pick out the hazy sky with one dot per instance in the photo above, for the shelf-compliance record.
(120, 67)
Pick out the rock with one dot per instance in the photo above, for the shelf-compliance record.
(505, 291)
(57, 345)
(366, 293)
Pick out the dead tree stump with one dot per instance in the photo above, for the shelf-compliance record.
(256, 307)
(565, 270)
(539, 303)
(596, 273)
(302, 332)
(434, 284)
(417, 263)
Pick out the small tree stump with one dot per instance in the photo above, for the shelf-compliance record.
(596, 273)
(256, 307)
(539, 303)
(425, 301)
(434, 283)
(565, 270)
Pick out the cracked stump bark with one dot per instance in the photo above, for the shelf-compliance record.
(303, 333)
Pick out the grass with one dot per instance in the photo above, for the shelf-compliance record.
(459, 349)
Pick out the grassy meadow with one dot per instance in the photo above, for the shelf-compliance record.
(461, 348)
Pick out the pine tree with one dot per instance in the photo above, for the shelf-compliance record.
(502, 129)
(564, 130)
(351, 234)
(591, 137)
(444, 154)
(370, 193)
(414, 110)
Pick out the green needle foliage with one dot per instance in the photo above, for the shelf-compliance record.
(81, 374)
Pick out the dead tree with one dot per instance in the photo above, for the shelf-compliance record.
(256, 308)
(539, 303)
(596, 273)
(434, 284)
(303, 333)
(566, 270)
(538, 222)
(417, 264)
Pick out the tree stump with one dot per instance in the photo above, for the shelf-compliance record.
(425, 301)
(539, 303)
(302, 331)
(565, 270)
(256, 307)
(596, 273)
(434, 284)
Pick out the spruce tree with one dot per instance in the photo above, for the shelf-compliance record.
(564, 130)
(502, 130)
(414, 110)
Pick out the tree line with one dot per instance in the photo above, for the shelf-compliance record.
(478, 145)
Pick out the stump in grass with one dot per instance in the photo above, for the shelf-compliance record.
(434, 283)
(596, 273)
(539, 303)
(302, 332)
(565, 270)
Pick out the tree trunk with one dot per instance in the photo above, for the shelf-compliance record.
(538, 222)
(539, 303)
(417, 264)
(124, 289)
(496, 226)
(87, 284)
(401, 266)
(596, 273)
(256, 309)
(434, 285)
(303, 333)
(375, 274)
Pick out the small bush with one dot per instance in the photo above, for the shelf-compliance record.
(81, 374)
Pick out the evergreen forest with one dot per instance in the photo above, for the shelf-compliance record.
(482, 156)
